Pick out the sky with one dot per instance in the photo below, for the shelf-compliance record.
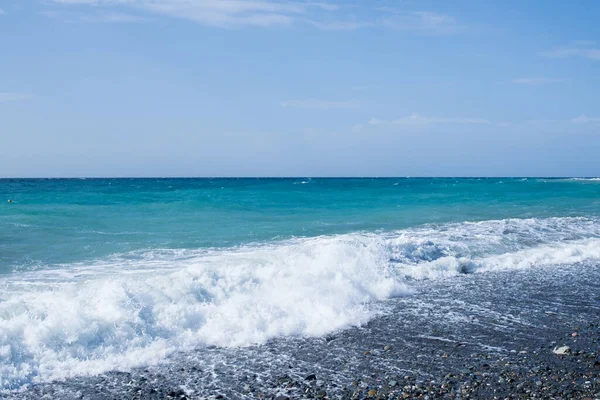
(299, 88)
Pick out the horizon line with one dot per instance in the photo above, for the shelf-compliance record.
(307, 177)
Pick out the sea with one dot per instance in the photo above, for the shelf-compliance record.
(100, 275)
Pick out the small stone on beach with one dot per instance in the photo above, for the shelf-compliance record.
(311, 377)
(562, 350)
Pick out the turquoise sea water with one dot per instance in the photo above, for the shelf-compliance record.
(57, 221)
(110, 274)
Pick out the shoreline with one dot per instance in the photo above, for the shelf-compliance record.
(474, 336)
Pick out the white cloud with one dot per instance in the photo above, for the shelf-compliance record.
(228, 13)
(98, 17)
(420, 22)
(424, 22)
(4, 96)
(365, 87)
(577, 49)
(377, 121)
(221, 13)
(2, 12)
(325, 6)
(583, 42)
(340, 25)
(419, 120)
(323, 15)
(583, 119)
(546, 123)
(357, 127)
(534, 81)
(319, 104)
(77, 1)
(118, 17)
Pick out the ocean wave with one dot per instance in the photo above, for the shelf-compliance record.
(585, 179)
(136, 308)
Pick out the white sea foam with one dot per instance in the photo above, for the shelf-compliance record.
(555, 254)
(135, 309)
(585, 179)
(125, 312)
(452, 249)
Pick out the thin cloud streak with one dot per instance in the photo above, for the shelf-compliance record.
(75, 17)
(319, 104)
(424, 22)
(419, 120)
(227, 14)
(420, 22)
(117, 17)
(583, 119)
(219, 13)
(416, 120)
(266, 13)
(534, 81)
(5, 96)
(578, 49)
(340, 25)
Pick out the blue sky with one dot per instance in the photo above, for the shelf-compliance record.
(299, 88)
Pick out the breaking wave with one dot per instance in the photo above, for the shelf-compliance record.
(585, 179)
(135, 309)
